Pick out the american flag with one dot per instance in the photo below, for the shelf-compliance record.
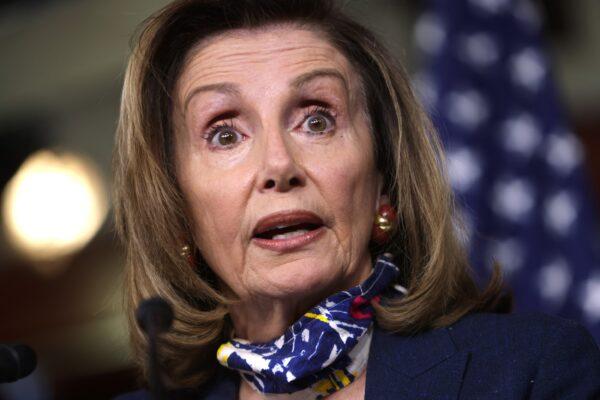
(515, 166)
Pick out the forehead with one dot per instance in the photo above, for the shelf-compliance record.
(264, 55)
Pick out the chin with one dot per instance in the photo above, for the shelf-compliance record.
(299, 275)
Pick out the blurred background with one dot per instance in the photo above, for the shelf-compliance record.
(525, 162)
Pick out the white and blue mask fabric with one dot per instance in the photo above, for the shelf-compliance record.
(323, 351)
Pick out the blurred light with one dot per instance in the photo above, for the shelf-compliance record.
(54, 205)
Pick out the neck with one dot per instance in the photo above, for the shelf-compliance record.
(261, 318)
(323, 352)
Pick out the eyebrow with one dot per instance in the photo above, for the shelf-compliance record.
(303, 79)
(296, 83)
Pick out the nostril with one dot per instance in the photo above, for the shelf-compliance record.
(294, 181)
(270, 183)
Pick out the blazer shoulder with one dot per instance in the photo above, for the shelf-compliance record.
(516, 329)
(559, 357)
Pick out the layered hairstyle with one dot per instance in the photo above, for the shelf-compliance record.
(152, 218)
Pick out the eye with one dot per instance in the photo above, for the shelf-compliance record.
(318, 120)
(223, 136)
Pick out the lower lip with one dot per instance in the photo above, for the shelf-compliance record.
(292, 243)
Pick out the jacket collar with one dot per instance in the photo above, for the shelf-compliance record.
(427, 365)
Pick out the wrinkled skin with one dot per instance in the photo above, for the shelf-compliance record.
(291, 146)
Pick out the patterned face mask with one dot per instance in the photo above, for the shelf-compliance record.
(322, 352)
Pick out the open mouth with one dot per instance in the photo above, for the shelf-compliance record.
(286, 232)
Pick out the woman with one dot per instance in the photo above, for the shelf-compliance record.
(278, 183)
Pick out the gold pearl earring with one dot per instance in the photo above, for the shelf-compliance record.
(186, 252)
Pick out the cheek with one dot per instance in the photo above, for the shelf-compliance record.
(217, 220)
(348, 182)
(219, 210)
(217, 203)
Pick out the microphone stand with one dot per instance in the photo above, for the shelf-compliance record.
(154, 316)
(16, 362)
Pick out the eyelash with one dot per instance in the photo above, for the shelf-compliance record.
(323, 111)
(215, 129)
(230, 125)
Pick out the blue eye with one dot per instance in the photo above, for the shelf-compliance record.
(318, 120)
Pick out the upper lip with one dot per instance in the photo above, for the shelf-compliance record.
(286, 218)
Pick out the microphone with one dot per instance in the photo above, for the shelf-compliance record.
(154, 316)
(16, 362)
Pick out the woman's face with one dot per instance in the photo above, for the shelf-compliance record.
(271, 132)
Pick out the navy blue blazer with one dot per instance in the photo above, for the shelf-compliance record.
(481, 356)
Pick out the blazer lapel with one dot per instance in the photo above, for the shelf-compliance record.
(425, 366)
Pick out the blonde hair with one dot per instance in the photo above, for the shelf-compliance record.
(151, 216)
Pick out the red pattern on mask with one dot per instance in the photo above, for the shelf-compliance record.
(358, 308)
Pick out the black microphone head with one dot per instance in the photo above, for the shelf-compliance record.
(154, 315)
(16, 362)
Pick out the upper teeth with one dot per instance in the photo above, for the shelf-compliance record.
(273, 228)
(290, 234)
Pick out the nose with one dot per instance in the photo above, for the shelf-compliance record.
(280, 171)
